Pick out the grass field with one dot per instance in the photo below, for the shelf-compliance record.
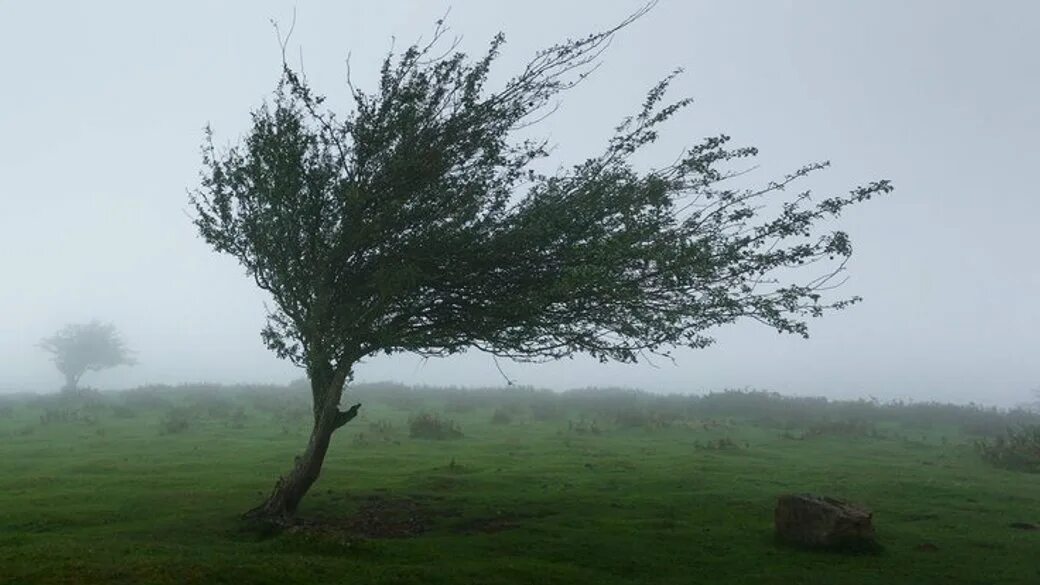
(596, 487)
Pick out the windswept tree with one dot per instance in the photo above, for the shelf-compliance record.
(87, 347)
(418, 222)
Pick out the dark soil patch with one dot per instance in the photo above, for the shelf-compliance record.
(1024, 526)
(388, 517)
(377, 516)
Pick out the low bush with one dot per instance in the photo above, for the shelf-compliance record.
(721, 444)
(583, 427)
(213, 406)
(1017, 450)
(175, 421)
(66, 415)
(545, 410)
(644, 419)
(238, 418)
(380, 431)
(841, 428)
(501, 416)
(122, 411)
(431, 426)
(381, 427)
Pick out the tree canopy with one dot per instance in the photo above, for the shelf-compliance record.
(415, 224)
(79, 348)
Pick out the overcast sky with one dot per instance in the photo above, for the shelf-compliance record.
(102, 107)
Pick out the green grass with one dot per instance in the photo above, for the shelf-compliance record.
(110, 499)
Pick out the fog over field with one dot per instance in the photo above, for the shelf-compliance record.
(103, 107)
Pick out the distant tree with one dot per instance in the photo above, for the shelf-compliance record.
(79, 348)
(418, 223)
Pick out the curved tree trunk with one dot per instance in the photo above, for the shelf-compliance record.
(281, 505)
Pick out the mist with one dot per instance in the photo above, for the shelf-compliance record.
(102, 116)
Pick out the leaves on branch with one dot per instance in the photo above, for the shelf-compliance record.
(416, 223)
(82, 347)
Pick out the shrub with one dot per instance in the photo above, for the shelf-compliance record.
(1017, 450)
(546, 410)
(843, 428)
(582, 427)
(65, 415)
(501, 417)
(213, 406)
(381, 427)
(722, 444)
(292, 415)
(238, 418)
(632, 418)
(123, 411)
(378, 431)
(175, 421)
(431, 426)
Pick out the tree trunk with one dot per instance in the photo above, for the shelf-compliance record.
(71, 382)
(280, 507)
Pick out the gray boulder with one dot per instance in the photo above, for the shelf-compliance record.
(812, 521)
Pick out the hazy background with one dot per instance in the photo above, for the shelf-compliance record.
(102, 106)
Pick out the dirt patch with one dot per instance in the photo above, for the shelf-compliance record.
(1024, 526)
(388, 517)
(377, 516)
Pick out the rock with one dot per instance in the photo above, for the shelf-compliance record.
(822, 522)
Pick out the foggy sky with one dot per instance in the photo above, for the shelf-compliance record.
(102, 107)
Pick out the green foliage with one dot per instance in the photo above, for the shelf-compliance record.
(720, 444)
(66, 415)
(430, 426)
(584, 426)
(175, 421)
(841, 428)
(380, 431)
(416, 222)
(382, 427)
(1017, 450)
(79, 348)
(641, 418)
(238, 418)
(545, 408)
(501, 416)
